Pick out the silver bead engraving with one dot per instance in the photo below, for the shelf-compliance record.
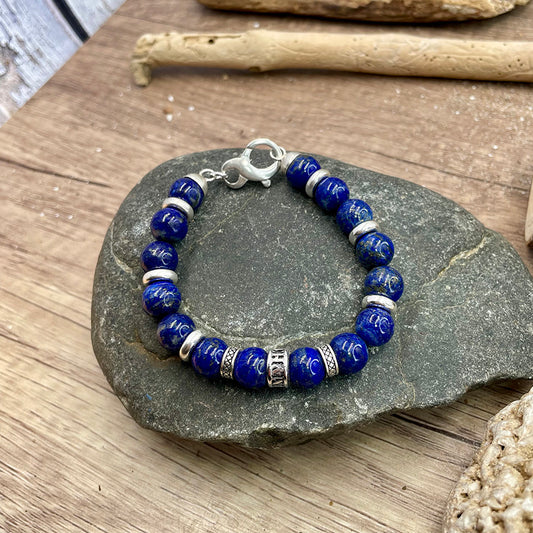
(200, 180)
(287, 161)
(313, 181)
(278, 369)
(330, 360)
(160, 274)
(228, 362)
(180, 205)
(189, 343)
(379, 301)
(362, 229)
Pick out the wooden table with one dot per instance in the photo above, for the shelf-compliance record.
(71, 458)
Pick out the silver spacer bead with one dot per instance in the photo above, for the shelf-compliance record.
(330, 360)
(278, 368)
(160, 274)
(198, 178)
(228, 362)
(189, 343)
(180, 205)
(379, 301)
(313, 180)
(362, 229)
(287, 161)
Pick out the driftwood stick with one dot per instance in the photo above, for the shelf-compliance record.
(391, 54)
(529, 219)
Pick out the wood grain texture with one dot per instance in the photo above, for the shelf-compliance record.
(35, 41)
(92, 14)
(71, 459)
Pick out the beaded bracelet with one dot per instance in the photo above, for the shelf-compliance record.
(254, 367)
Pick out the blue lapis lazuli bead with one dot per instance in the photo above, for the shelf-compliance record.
(249, 369)
(375, 326)
(351, 213)
(300, 170)
(169, 225)
(159, 254)
(374, 249)
(188, 190)
(306, 368)
(161, 298)
(173, 330)
(207, 356)
(351, 352)
(385, 281)
(331, 193)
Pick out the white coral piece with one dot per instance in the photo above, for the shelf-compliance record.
(495, 494)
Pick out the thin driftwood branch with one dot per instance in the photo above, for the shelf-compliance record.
(378, 10)
(391, 54)
(529, 219)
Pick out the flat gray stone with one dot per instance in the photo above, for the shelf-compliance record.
(265, 267)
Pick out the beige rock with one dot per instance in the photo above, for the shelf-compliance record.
(495, 494)
(379, 10)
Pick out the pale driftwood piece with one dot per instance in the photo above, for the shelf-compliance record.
(496, 492)
(377, 10)
(390, 54)
(529, 219)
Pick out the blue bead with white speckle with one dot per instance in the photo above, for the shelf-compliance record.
(331, 193)
(385, 281)
(375, 326)
(188, 190)
(374, 249)
(173, 330)
(159, 254)
(250, 368)
(169, 225)
(351, 213)
(207, 356)
(161, 298)
(351, 352)
(306, 368)
(301, 170)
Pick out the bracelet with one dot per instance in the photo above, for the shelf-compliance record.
(254, 367)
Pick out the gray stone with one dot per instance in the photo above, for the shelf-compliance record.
(266, 267)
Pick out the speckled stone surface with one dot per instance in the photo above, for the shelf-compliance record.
(267, 267)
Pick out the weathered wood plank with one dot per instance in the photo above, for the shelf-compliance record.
(94, 13)
(71, 459)
(35, 42)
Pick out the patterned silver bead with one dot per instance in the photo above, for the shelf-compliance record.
(362, 229)
(287, 161)
(313, 180)
(278, 369)
(228, 362)
(379, 301)
(330, 360)
(160, 274)
(180, 205)
(200, 180)
(189, 343)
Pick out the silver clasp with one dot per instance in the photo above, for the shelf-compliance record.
(247, 171)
